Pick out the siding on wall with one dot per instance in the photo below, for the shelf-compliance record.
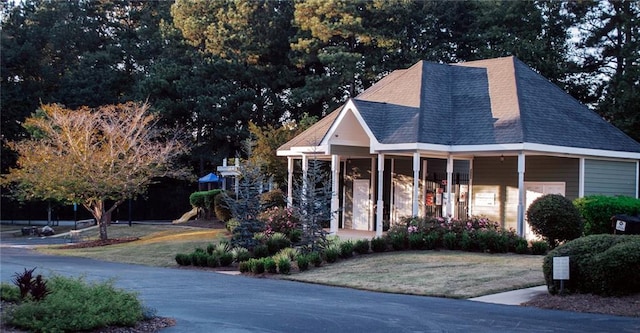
(609, 178)
(490, 175)
(554, 169)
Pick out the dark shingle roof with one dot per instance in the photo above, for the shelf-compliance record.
(494, 101)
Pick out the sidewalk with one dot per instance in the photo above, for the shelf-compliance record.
(514, 297)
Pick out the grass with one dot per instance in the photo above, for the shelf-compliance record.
(157, 246)
(451, 274)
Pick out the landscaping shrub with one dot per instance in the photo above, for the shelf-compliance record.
(213, 261)
(555, 219)
(417, 241)
(279, 219)
(199, 258)
(74, 305)
(270, 265)
(243, 267)
(9, 292)
(331, 253)
(256, 266)
(225, 259)
(183, 259)
(261, 251)
(295, 236)
(315, 258)
(599, 264)
(205, 200)
(492, 241)
(378, 244)
(398, 241)
(30, 285)
(597, 210)
(240, 254)
(232, 224)
(361, 246)
(522, 246)
(303, 262)
(467, 242)
(277, 241)
(273, 198)
(284, 264)
(539, 247)
(432, 241)
(222, 211)
(346, 249)
(289, 252)
(450, 241)
(210, 248)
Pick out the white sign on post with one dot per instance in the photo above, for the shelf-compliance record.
(621, 225)
(561, 268)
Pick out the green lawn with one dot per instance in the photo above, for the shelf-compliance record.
(452, 274)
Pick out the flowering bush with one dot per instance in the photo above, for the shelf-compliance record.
(473, 234)
(279, 219)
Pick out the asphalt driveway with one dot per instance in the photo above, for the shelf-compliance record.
(204, 301)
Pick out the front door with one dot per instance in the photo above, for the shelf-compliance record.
(534, 190)
(361, 204)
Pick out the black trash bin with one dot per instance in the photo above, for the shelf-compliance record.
(624, 224)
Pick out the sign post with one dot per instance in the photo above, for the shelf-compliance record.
(561, 271)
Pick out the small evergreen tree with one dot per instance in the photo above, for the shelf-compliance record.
(313, 205)
(246, 207)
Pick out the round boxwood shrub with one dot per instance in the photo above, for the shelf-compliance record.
(599, 264)
(554, 218)
(378, 244)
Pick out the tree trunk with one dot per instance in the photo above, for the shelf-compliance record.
(97, 210)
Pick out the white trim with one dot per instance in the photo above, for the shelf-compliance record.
(289, 182)
(348, 107)
(449, 212)
(520, 227)
(380, 201)
(497, 148)
(637, 178)
(335, 180)
(470, 193)
(372, 187)
(581, 178)
(416, 184)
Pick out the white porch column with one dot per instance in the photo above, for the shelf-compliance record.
(449, 212)
(305, 170)
(335, 203)
(581, 178)
(637, 178)
(380, 201)
(237, 178)
(289, 181)
(521, 209)
(470, 192)
(416, 183)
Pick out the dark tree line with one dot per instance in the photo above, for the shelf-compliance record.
(215, 66)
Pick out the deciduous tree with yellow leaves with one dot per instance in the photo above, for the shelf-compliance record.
(94, 156)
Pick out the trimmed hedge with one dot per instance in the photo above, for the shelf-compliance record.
(597, 210)
(599, 264)
(555, 219)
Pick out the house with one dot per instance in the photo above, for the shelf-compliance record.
(481, 138)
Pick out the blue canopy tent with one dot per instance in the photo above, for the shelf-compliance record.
(211, 181)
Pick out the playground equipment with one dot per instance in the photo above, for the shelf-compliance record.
(187, 216)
